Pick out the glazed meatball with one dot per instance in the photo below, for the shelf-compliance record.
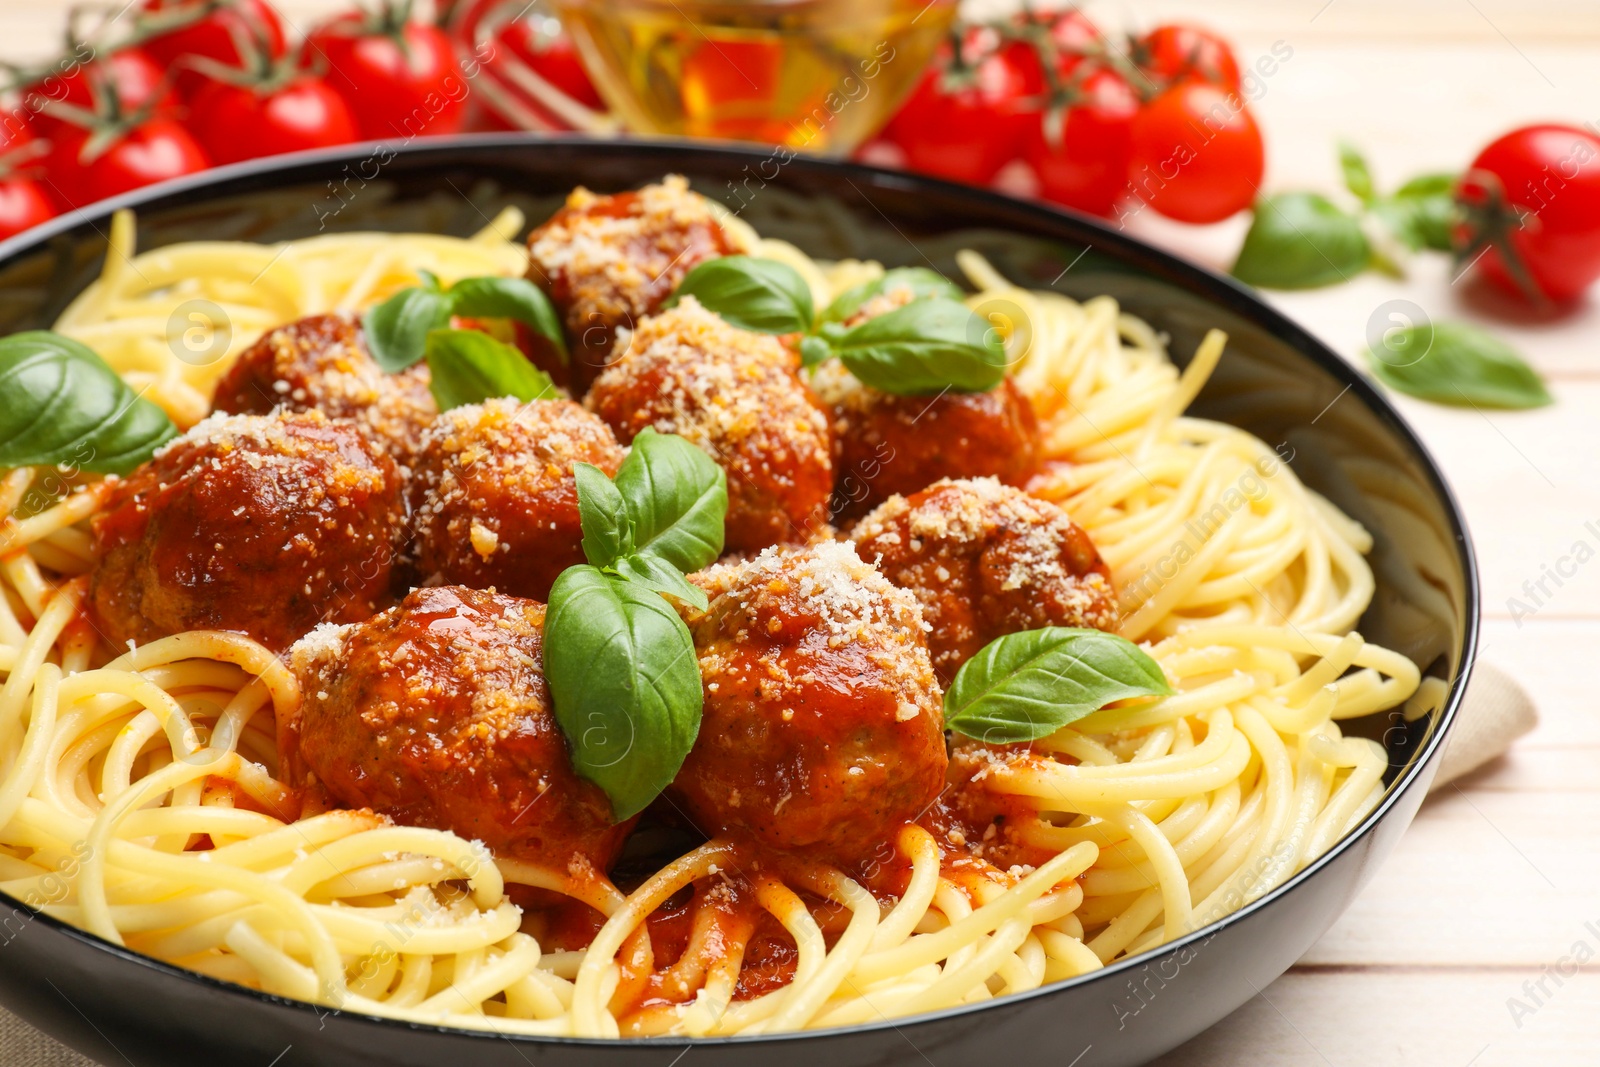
(822, 727)
(738, 395)
(494, 501)
(322, 364)
(608, 261)
(436, 713)
(890, 444)
(262, 524)
(985, 560)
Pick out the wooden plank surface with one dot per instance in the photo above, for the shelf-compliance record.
(1498, 878)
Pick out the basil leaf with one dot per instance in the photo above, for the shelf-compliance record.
(469, 366)
(1300, 241)
(430, 280)
(61, 404)
(1028, 685)
(397, 329)
(1461, 365)
(1422, 212)
(677, 499)
(624, 682)
(925, 347)
(814, 350)
(652, 572)
(1357, 175)
(510, 298)
(753, 294)
(920, 280)
(607, 532)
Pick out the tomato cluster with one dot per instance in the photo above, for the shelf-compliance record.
(177, 86)
(1095, 122)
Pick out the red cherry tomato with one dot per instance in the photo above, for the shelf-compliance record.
(1533, 197)
(211, 34)
(392, 91)
(1197, 153)
(236, 122)
(135, 78)
(539, 41)
(153, 151)
(965, 124)
(1083, 161)
(1175, 52)
(23, 205)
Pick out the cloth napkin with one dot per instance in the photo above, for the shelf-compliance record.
(1496, 712)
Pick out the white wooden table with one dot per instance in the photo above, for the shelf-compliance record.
(1488, 901)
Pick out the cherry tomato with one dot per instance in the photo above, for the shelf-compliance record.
(1083, 161)
(211, 34)
(135, 78)
(23, 205)
(392, 89)
(1176, 52)
(1532, 198)
(965, 123)
(153, 151)
(1197, 153)
(237, 122)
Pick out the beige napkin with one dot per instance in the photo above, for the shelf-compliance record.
(1497, 711)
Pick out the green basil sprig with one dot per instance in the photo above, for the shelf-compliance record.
(660, 519)
(621, 665)
(761, 295)
(60, 404)
(397, 329)
(1460, 364)
(469, 367)
(624, 684)
(1422, 212)
(1301, 241)
(1028, 685)
(926, 346)
(930, 345)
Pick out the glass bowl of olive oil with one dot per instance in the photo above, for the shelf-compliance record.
(810, 75)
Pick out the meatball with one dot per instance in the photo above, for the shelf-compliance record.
(436, 713)
(737, 395)
(322, 364)
(986, 560)
(822, 726)
(493, 496)
(262, 524)
(608, 261)
(889, 444)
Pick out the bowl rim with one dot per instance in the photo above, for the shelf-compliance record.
(1198, 280)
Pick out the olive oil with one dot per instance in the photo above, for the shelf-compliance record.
(812, 75)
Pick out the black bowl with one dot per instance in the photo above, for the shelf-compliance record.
(1275, 380)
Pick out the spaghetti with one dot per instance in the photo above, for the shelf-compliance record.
(140, 797)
